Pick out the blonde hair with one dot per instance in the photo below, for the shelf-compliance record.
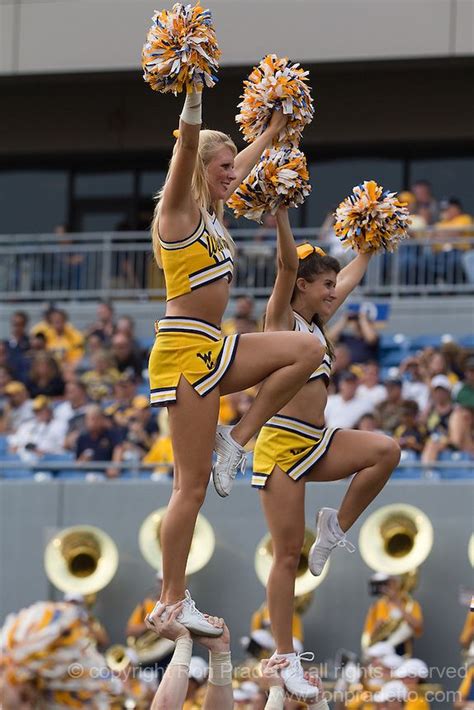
(210, 142)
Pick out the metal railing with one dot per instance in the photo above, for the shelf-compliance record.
(429, 472)
(120, 265)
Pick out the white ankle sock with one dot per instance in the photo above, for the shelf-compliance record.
(289, 656)
(334, 526)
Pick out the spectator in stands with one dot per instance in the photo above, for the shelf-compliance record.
(45, 377)
(6, 376)
(461, 422)
(100, 380)
(37, 343)
(18, 342)
(437, 420)
(121, 408)
(410, 434)
(368, 422)
(6, 360)
(437, 365)
(19, 407)
(445, 262)
(99, 441)
(425, 200)
(370, 386)
(136, 443)
(64, 341)
(342, 362)
(104, 324)
(390, 411)
(40, 435)
(93, 344)
(346, 408)
(357, 332)
(411, 258)
(162, 450)
(125, 356)
(414, 385)
(244, 320)
(145, 414)
(71, 413)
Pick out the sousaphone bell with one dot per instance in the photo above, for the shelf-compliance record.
(81, 558)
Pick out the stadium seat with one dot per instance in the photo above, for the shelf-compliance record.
(467, 341)
(457, 472)
(6, 472)
(393, 349)
(144, 389)
(425, 341)
(72, 475)
(146, 343)
(3, 445)
(55, 458)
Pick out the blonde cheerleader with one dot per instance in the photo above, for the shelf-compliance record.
(192, 364)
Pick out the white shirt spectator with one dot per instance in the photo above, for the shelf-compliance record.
(346, 413)
(46, 438)
(19, 415)
(375, 395)
(64, 412)
(418, 391)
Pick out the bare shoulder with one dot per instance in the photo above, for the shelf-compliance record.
(282, 322)
(175, 225)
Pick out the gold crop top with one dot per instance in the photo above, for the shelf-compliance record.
(198, 260)
(324, 370)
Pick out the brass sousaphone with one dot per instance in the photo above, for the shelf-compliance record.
(396, 539)
(81, 559)
(149, 647)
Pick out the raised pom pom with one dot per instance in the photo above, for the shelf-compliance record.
(275, 83)
(371, 219)
(181, 50)
(280, 178)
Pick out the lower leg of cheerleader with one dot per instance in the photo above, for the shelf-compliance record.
(283, 505)
(372, 456)
(192, 427)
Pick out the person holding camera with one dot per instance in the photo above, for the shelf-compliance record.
(357, 332)
(395, 618)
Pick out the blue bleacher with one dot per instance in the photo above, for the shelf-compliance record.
(392, 349)
(10, 472)
(457, 473)
(3, 444)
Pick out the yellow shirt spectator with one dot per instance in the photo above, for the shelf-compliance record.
(64, 341)
(453, 218)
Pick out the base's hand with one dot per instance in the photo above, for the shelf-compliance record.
(216, 645)
(165, 624)
(315, 680)
(271, 668)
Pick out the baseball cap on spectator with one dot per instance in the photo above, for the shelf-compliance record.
(140, 402)
(40, 402)
(391, 661)
(198, 669)
(441, 381)
(348, 376)
(15, 387)
(380, 649)
(393, 690)
(412, 668)
(395, 381)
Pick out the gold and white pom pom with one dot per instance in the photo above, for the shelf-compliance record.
(371, 219)
(181, 50)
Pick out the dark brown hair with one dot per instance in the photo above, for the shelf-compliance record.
(310, 267)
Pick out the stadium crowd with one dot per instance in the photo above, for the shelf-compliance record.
(85, 394)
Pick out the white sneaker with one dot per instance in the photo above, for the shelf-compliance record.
(294, 680)
(230, 456)
(326, 540)
(190, 617)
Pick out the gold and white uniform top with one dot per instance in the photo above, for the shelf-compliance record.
(197, 260)
(302, 325)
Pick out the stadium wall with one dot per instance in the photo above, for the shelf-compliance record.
(228, 586)
(73, 35)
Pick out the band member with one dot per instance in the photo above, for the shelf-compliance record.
(295, 446)
(396, 617)
(191, 363)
